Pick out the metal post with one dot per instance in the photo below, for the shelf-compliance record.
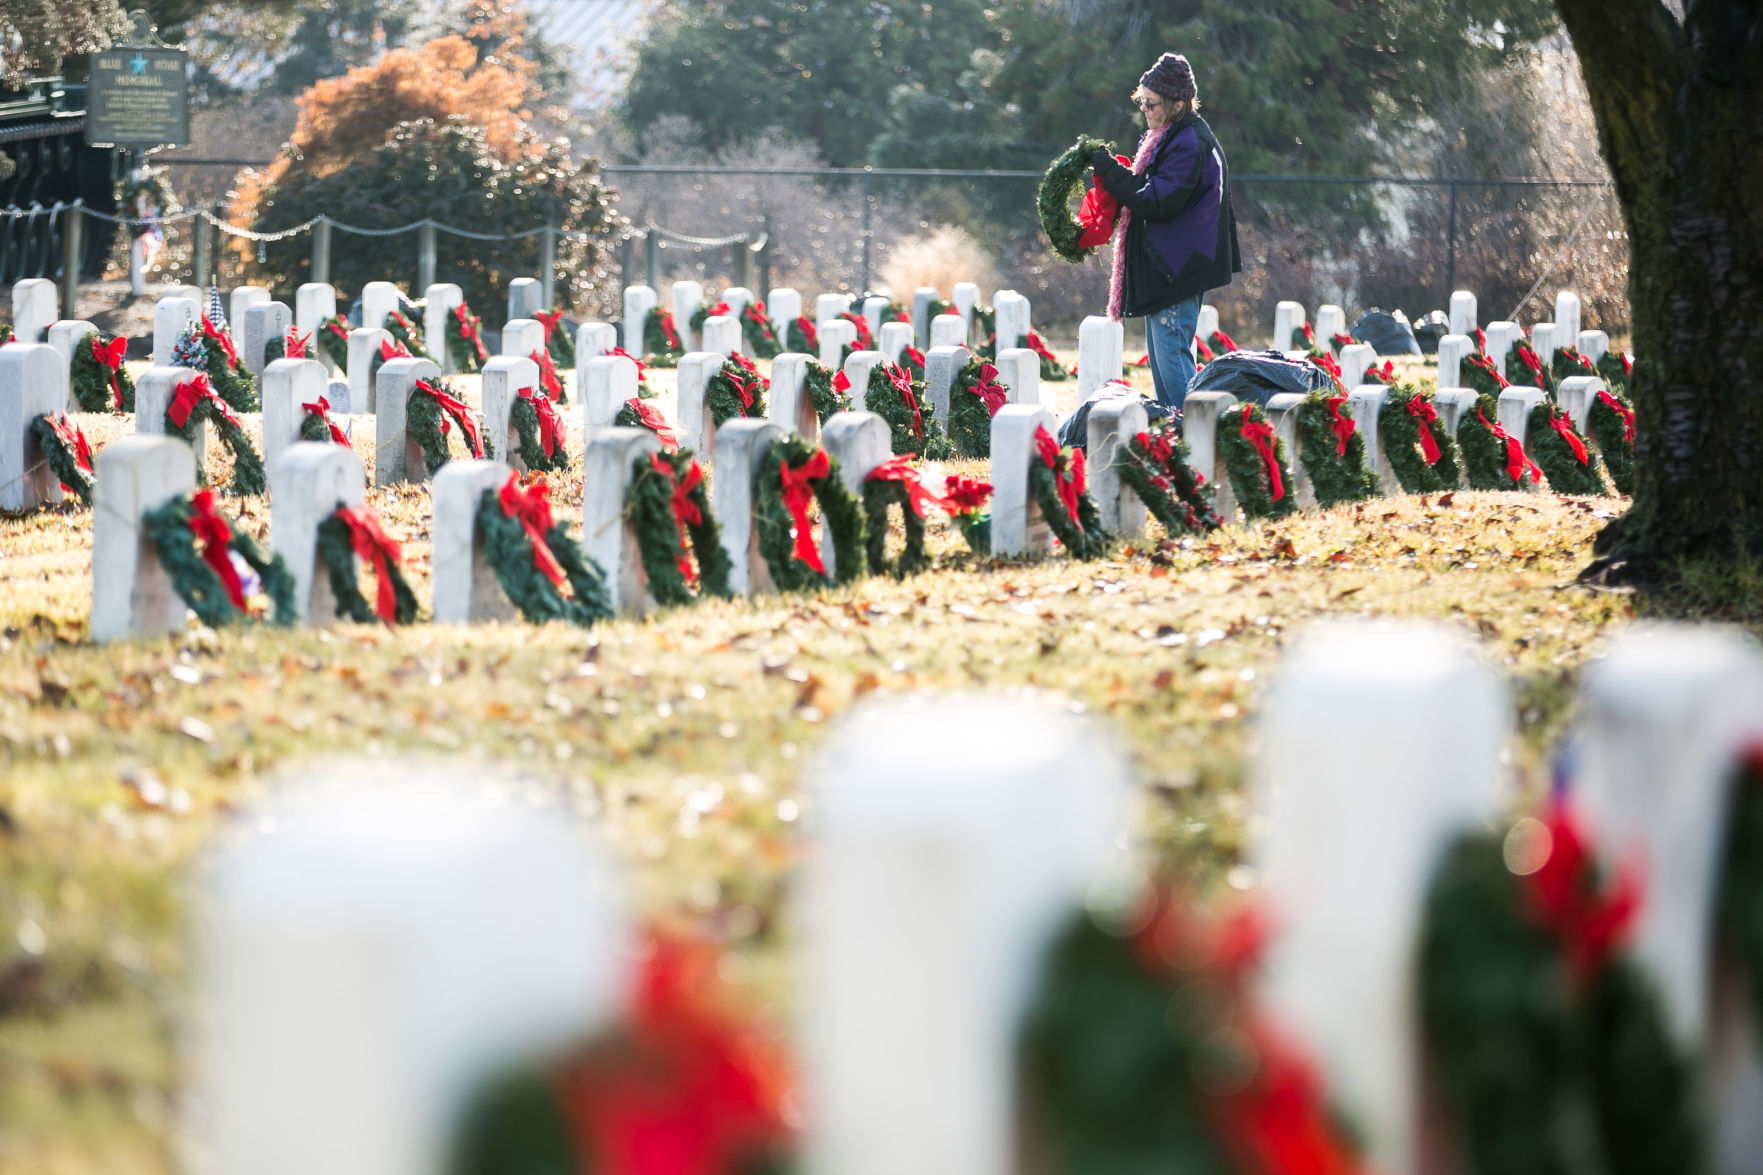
(321, 250)
(199, 267)
(548, 267)
(868, 210)
(73, 223)
(627, 259)
(425, 257)
(764, 290)
(1451, 248)
(741, 254)
(652, 260)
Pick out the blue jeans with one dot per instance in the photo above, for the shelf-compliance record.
(1169, 341)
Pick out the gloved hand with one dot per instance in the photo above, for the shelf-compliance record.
(1102, 160)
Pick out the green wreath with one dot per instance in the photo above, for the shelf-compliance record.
(661, 342)
(1154, 466)
(509, 551)
(424, 419)
(1064, 181)
(1569, 363)
(314, 426)
(404, 331)
(90, 380)
(5, 333)
(970, 421)
(1611, 428)
(1335, 476)
(628, 417)
(1399, 432)
(1478, 374)
(985, 329)
(168, 528)
(1522, 357)
(462, 349)
(722, 396)
(1614, 370)
(336, 551)
(231, 381)
(1484, 453)
(1555, 456)
(557, 341)
(1083, 536)
(1520, 1046)
(248, 475)
(1738, 914)
(649, 506)
(759, 332)
(878, 495)
(801, 336)
(64, 462)
(1249, 477)
(336, 347)
(826, 398)
(523, 414)
(149, 182)
(841, 512)
(886, 401)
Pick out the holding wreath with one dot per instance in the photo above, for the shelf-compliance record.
(791, 474)
(97, 376)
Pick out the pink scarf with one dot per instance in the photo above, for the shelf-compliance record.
(1117, 281)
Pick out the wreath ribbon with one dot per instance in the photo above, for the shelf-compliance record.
(394, 348)
(73, 438)
(1425, 414)
(549, 423)
(549, 321)
(469, 332)
(988, 390)
(1068, 476)
(1342, 427)
(1259, 434)
(685, 511)
(900, 469)
(459, 410)
(548, 374)
(797, 492)
(322, 411)
(654, 422)
(110, 356)
(1224, 340)
(1483, 363)
(1527, 355)
(192, 390)
(1517, 464)
(532, 506)
(903, 384)
(667, 330)
(1564, 429)
(808, 332)
(378, 550)
(1591, 921)
(914, 356)
(1622, 410)
(216, 535)
(210, 331)
(337, 328)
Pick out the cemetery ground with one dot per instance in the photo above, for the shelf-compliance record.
(683, 735)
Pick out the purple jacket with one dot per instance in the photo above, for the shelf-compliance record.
(1182, 240)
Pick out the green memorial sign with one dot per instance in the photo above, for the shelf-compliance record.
(136, 95)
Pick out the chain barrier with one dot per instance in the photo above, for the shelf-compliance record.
(695, 242)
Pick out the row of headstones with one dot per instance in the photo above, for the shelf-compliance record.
(951, 837)
(1546, 337)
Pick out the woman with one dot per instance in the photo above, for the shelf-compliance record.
(1177, 236)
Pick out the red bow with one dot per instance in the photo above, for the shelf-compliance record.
(914, 356)
(110, 356)
(532, 505)
(223, 338)
(1341, 339)
(1098, 212)
(1327, 363)
(988, 390)
(338, 329)
(549, 424)
(796, 494)
(459, 410)
(1584, 363)
(192, 390)
(1563, 427)
(391, 348)
(469, 332)
(1528, 356)
(1627, 363)
(1425, 414)
(903, 384)
(1566, 898)
(320, 410)
(74, 439)
(900, 469)
(1383, 375)
(1259, 434)
(548, 374)
(1622, 410)
(1039, 346)
(964, 495)
(216, 536)
(841, 382)
(744, 387)
(809, 332)
(1309, 334)
(550, 321)
(1483, 363)
(1481, 339)
(865, 340)
(294, 344)
(1200, 349)
(655, 423)
(1342, 426)
(1517, 464)
(378, 550)
(1068, 475)
(685, 511)
(1224, 340)
(668, 331)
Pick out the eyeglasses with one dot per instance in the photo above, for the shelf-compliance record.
(1149, 105)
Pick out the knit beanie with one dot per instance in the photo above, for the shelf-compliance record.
(1171, 77)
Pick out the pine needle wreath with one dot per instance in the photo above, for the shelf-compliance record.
(1569, 362)
(912, 424)
(199, 349)
(5, 333)
(403, 331)
(1489, 455)
(1518, 1032)
(98, 377)
(824, 393)
(558, 342)
(974, 398)
(509, 551)
(1062, 182)
(523, 414)
(248, 477)
(67, 452)
(1051, 369)
(985, 329)
(802, 336)
(1479, 375)
(336, 553)
(171, 532)
(317, 426)
(1522, 359)
(427, 423)
(1615, 368)
(841, 513)
(879, 495)
(333, 336)
(1561, 453)
(865, 338)
(465, 343)
(735, 391)
(1739, 906)
(1251, 480)
(661, 341)
(635, 414)
(649, 504)
(1611, 420)
(1398, 430)
(1083, 535)
(759, 332)
(1334, 456)
(1154, 465)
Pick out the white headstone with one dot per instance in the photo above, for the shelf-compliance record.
(1576, 395)
(364, 347)
(438, 302)
(857, 369)
(741, 444)
(609, 382)
(1594, 344)
(337, 392)
(954, 837)
(893, 339)
(1545, 342)
(1567, 314)
(784, 305)
(1208, 323)
(466, 588)
(1355, 359)
(941, 365)
(155, 390)
(606, 531)
(33, 383)
(965, 296)
(948, 330)
(195, 294)
(65, 334)
(307, 482)
(788, 404)
(1330, 321)
(638, 301)
(687, 297)
(262, 322)
(1463, 320)
(287, 384)
(34, 307)
(170, 317)
(396, 455)
(873, 309)
(858, 441)
(835, 336)
(1017, 526)
(374, 944)
(1019, 370)
(1012, 311)
(737, 299)
(1515, 405)
(697, 429)
(131, 593)
(829, 306)
(1282, 412)
(594, 339)
(504, 378)
(522, 336)
(378, 300)
(1453, 404)
(922, 300)
(242, 299)
(722, 335)
(1287, 318)
(1356, 819)
(1364, 403)
(1113, 423)
(1453, 350)
(523, 298)
(313, 303)
(1199, 420)
(1500, 336)
(1100, 341)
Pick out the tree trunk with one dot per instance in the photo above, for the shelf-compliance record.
(1678, 109)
